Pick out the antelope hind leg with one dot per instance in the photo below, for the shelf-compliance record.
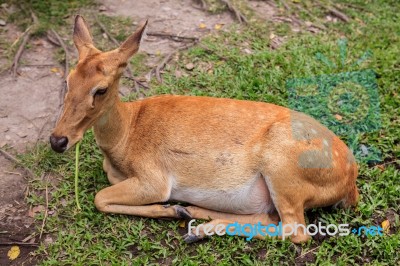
(224, 219)
(220, 227)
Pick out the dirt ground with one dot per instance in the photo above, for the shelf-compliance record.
(29, 103)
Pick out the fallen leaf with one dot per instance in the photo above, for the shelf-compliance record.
(308, 23)
(272, 36)
(178, 74)
(182, 224)
(386, 226)
(338, 117)
(247, 51)
(13, 253)
(22, 134)
(381, 167)
(3, 114)
(189, 66)
(360, 21)
(38, 42)
(63, 202)
(48, 240)
(364, 149)
(54, 69)
(26, 239)
(35, 210)
(218, 26)
(202, 26)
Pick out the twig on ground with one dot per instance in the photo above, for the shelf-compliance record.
(142, 84)
(173, 37)
(223, 58)
(15, 243)
(333, 11)
(354, 6)
(26, 239)
(25, 39)
(299, 22)
(66, 66)
(61, 96)
(41, 129)
(161, 65)
(136, 87)
(138, 82)
(52, 39)
(389, 162)
(39, 65)
(34, 18)
(239, 16)
(166, 59)
(63, 90)
(129, 70)
(12, 173)
(149, 74)
(317, 23)
(340, 15)
(17, 162)
(203, 5)
(311, 250)
(104, 29)
(283, 2)
(45, 211)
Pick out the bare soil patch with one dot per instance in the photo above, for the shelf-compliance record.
(178, 17)
(28, 108)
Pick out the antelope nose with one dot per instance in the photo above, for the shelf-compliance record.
(58, 144)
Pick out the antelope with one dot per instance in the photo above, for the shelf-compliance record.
(229, 160)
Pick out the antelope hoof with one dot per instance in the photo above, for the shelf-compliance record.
(183, 213)
(298, 239)
(191, 238)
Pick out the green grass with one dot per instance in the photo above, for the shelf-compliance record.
(223, 69)
(50, 13)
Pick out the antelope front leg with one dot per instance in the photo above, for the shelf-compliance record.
(131, 197)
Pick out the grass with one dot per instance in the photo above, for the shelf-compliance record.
(50, 13)
(224, 69)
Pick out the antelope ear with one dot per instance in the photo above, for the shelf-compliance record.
(82, 37)
(131, 45)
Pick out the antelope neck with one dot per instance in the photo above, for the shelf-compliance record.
(113, 126)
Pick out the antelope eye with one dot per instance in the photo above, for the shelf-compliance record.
(100, 92)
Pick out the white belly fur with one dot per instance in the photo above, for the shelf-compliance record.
(251, 198)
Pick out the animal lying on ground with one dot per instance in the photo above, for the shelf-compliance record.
(233, 161)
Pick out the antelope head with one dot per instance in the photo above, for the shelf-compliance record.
(92, 87)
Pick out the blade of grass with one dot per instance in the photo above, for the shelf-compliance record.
(76, 174)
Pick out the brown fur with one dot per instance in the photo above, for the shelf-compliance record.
(236, 160)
